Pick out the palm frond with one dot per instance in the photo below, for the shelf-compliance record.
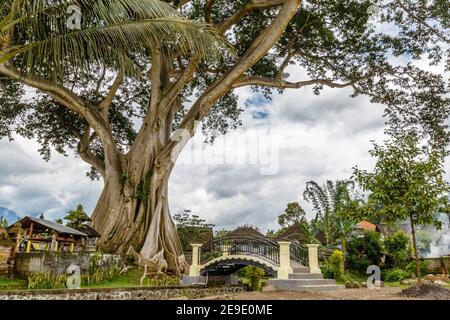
(112, 29)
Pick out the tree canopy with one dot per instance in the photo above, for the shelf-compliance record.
(293, 214)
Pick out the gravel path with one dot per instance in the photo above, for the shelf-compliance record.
(385, 293)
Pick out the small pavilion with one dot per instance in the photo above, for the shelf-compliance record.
(45, 235)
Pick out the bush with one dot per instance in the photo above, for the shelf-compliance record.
(363, 252)
(164, 281)
(334, 268)
(327, 271)
(254, 276)
(397, 247)
(45, 280)
(411, 268)
(396, 275)
(337, 261)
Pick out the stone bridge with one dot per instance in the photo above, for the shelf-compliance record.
(293, 266)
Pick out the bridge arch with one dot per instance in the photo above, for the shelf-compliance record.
(229, 264)
(228, 254)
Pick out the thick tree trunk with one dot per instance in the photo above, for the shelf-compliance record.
(135, 212)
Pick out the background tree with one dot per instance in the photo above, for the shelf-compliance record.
(364, 251)
(406, 183)
(192, 229)
(121, 122)
(293, 214)
(331, 203)
(398, 249)
(77, 218)
(221, 233)
(3, 222)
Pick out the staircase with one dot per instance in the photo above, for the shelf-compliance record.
(302, 280)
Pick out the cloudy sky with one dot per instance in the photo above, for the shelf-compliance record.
(246, 177)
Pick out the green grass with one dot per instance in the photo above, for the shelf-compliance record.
(130, 279)
(126, 280)
(12, 284)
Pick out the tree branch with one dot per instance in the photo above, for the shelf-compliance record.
(86, 154)
(74, 103)
(253, 5)
(283, 84)
(106, 103)
(260, 46)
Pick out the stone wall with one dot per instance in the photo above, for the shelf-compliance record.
(5, 253)
(5, 257)
(138, 293)
(58, 262)
(435, 264)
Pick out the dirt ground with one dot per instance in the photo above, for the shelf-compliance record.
(386, 293)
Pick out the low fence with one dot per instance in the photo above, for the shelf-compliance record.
(58, 262)
(137, 293)
(436, 265)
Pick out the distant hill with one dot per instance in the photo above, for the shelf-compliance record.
(9, 215)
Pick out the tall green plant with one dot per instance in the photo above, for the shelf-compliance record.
(331, 203)
(397, 247)
(407, 183)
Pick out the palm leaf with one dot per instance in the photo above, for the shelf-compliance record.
(112, 30)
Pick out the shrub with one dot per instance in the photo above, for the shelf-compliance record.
(337, 261)
(254, 275)
(396, 275)
(164, 281)
(334, 268)
(411, 268)
(45, 280)
(363, 252)
(397, 247)
(327, 271)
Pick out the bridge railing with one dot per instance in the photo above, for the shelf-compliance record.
(298, 252)
(240, 245)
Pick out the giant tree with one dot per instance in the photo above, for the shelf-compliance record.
(130, 126)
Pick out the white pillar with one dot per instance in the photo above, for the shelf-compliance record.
(226, 248)
(313, 258)
(285, 261)
(194, 269)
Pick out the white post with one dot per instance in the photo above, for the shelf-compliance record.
(194, 269)
(226, 248)
(313, 258)
(285, 261)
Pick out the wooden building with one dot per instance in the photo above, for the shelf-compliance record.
(45, 235)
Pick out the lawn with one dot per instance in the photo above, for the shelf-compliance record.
(12, 284)
(128, 279)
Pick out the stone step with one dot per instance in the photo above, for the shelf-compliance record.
(305, 276)
(305, 284)
(295, 264)
(300, 270)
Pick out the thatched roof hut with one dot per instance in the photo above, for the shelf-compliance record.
(246, 231)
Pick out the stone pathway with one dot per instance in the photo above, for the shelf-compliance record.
(385, 293)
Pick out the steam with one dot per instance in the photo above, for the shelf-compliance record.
(440, 245)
